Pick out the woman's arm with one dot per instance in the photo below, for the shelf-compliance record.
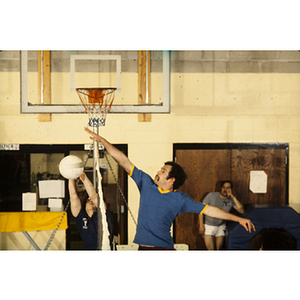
(89, 188)
(74, 199)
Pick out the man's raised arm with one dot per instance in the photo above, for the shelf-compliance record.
(115, 153)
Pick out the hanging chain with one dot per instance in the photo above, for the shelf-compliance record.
(119, 188)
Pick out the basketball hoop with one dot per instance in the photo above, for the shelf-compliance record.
(97, 103)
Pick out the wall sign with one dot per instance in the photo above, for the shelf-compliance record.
(258, 181)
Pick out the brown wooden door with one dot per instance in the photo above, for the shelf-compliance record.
(207, 167)
(204, 169)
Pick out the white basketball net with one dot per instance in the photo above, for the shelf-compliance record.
(97, 103)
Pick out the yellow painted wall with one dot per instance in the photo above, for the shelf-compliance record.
(205, 107)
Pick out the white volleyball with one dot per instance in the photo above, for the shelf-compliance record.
(71, 167)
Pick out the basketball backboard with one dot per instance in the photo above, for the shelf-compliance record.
(69, 70)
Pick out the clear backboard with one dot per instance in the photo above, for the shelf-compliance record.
(69, 70)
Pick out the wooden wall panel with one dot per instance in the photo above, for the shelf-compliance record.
(144, 82)
(44, 82)
(205, 169)
(273, 161)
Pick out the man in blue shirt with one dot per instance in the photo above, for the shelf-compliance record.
(160, 202)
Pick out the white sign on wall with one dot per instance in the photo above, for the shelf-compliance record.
(258, 181)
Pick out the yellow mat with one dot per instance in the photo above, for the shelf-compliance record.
(31, 221)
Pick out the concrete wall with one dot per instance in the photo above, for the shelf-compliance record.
(216, 97)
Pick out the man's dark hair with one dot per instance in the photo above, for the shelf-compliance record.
(273, 239)
(226, 181)
(178, 173)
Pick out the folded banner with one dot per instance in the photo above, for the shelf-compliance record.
(31, 221)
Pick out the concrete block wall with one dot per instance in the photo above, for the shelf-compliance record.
(216, 97)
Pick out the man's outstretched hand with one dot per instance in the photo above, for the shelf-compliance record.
(247, 224)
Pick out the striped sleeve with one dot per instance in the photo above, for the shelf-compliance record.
(130, 174)
(204, 209)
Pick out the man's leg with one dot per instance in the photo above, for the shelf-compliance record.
(209, 242)
(220, 233)
(219, 242)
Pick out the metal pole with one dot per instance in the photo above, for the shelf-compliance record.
(95, 178)
(31, 240)
(95, 156)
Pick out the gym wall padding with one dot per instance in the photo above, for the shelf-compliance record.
(263, 216)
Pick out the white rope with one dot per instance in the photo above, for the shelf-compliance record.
(105, 244)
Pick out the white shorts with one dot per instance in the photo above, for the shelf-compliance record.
(215, 230)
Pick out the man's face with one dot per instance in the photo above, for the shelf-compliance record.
(161, 178)
(226, 189)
